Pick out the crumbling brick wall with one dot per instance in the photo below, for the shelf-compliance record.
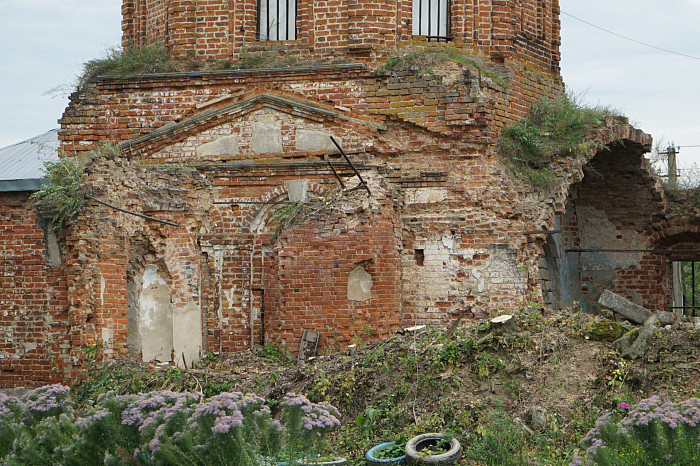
(33, 298)
(215, 158)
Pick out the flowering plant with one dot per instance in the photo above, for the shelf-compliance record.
(160, 427)
(305, 424)
(651, 432)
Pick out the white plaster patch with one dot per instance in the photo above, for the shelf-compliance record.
(448, 242)
(155, 317)
(227, 145)
(230, 296)
(187, 334)
(359, 285)
(103, 284)
(424, 195)
(30, 347)
(310, 140)
(266, 135)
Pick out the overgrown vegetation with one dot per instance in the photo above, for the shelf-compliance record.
(286, 217)
(477, 386)
(423, 62)
(650, 433)
(159, 428)
(64, 191)
(124, 63)
(561, 128)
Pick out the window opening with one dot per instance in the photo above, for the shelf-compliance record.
(431, 19)
(686, 287)
(277, 20)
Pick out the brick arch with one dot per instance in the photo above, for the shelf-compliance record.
(258, 217)
(676, 234)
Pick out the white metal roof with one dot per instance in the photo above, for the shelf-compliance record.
(21, 164)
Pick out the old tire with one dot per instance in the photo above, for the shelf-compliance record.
(374, 461)
(418, 443)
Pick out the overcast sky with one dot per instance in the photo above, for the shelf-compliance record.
(45, 42)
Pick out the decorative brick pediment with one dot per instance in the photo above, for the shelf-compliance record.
(252, 127)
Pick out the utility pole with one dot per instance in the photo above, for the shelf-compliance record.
(671, 152)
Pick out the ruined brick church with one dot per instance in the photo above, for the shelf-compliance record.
(340, 187)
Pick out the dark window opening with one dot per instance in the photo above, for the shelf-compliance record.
(431, 19)
(277, 20)
(686, 287)
(420, 256)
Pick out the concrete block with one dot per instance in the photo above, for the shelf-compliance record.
(641, 344)
(665, 317)
(311, 140)
(296, 190)
(266, 137)
(625, 307)
(227, 145)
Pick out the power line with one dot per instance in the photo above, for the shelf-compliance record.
(630, 39)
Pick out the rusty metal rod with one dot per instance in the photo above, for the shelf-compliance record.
(636, 251)
(342, 185)
(350, 163)
(131, 213)
(254, 202)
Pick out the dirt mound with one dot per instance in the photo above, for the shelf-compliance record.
(540, 386)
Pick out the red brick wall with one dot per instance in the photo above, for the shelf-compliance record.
(312, 262)
(361, 29)
(616, 207)
(33, 300)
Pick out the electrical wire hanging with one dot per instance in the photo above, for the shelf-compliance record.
(629, 38)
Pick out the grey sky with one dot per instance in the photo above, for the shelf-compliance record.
(45, 43)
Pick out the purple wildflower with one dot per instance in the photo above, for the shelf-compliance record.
(223, 424)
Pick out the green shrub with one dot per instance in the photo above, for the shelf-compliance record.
(554, 128)
(499, 441)
(127, 63)
(651, 433)
(64, 190)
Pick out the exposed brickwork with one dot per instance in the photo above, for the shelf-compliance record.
(33, 318)
(364, 29)
(224, 155)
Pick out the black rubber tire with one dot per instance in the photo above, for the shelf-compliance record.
(416, 444)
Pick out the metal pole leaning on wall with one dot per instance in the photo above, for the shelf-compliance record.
(132, 213)
(362, 182)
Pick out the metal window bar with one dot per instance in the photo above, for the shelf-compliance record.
(431, 19)
(685, 294)
(277, 20)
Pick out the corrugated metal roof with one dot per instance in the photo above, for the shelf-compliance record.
(21, 164)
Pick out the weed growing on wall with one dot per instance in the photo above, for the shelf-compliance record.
(127, 63)
(64, 190)
(553, 129)
(423, 61)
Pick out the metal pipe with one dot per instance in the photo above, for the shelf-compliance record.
(353, 166)
(132, 213)
(636, 251)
